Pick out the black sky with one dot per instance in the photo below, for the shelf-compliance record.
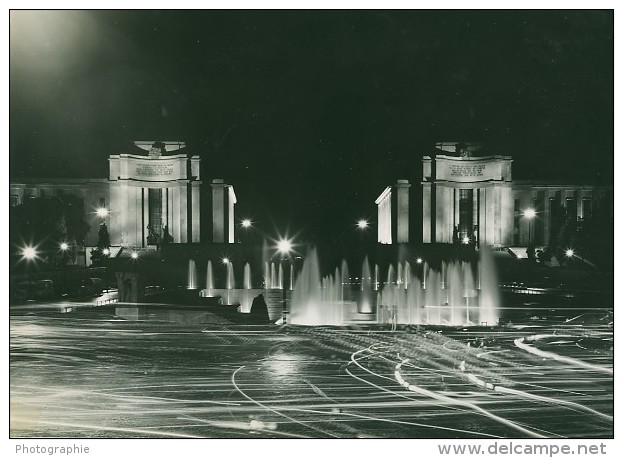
(310, 114)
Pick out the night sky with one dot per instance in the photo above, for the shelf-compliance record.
(310, 114)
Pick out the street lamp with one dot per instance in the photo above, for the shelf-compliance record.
(569, 252)
(419, 260)
(102, 212)
(29, 253)
(245, 224)
(529, 214)
(362, 227)
(284, 246)
(134, 255)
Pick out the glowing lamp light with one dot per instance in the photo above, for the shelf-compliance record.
(569, 253)
(29, 253)
(225, 260)
(102, 212)
(419, 260)
(529, 213)
(107, 252)
(465, 240)
(284, 246)
(134, 255)
(246, 223)
(64, 246)
(362, 224)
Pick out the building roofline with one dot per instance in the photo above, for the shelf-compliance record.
(558, 183)
(469, 158)
(64, 181)
(382, 196)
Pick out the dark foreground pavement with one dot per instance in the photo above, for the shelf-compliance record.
(169, 372)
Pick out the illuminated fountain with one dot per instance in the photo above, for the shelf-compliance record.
(192, 275)
(274, 283)
(209, 279)
(448, 296)
(317, 301)
(489, 290)
(366, 300)
(455, 293)
(247, 276)
(231, 281)
(241, 293)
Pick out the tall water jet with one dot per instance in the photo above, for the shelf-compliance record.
(399, 278)
(209, 278)
(231, 284)
(414, 301)
(470, 291)
(454, 294)
(247, 276)
(273, 276)
(376, 277)
(291, 279)
(280, 283)
(365, 305)
(407, 274)
(345, 280)
(390, 275)
(192, 275)
(489, 292)
(267, 276)
(314, 300)
(338, 286)
(431, 298)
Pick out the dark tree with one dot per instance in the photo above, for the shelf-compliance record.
(103, 245)
(103, 239)
(45, 222)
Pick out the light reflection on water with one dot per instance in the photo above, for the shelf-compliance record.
(284, 365)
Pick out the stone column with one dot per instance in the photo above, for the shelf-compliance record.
(426, 213)
(164, 202)
(196, 212)
(402, 211)
(170, 215)
(230, 205)
(218, 211)
(457, 194)
(183, 213)
(145, 222)
(497, 218)
(174, 196)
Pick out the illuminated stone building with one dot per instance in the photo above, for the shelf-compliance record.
(148, 194)
(470, 197)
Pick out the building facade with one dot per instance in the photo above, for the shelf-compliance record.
(471, 198)
(149, 195)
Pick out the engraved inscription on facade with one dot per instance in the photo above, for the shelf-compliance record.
(154, 170)
(466, 170)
